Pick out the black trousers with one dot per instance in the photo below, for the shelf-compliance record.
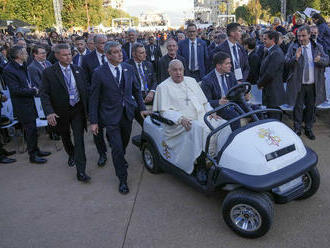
(75, 121)
(306, 96)
(99, 142)
(31, 137)
(118, 136)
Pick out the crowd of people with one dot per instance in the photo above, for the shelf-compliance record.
(110, 79)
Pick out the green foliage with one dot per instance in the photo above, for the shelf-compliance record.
(243, 12)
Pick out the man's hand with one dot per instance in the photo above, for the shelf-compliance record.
(186, 123)
(3, 98)
(95, 128)
(298, 53)
(223, 101)
(51, 118)
(317, 58)
(36, 89)
(214, 116)
(149, 97)
(145, 113)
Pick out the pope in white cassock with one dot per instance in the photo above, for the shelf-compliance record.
(181, 100)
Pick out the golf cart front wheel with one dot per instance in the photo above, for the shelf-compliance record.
(247, 213)
(311, 179)
(150, 159)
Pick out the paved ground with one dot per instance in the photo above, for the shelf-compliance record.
(44, 206)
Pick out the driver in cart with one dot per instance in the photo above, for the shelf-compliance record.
(181, 100)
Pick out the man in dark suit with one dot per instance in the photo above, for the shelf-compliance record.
(153, 52)
(172, 48)
(90, 62)
(254, 60)
(218, 40)
(64, 100)
(132, 35)
(216, 85)
(271, 74)
(238, 56)
(145, 75)
(22, 91)
(80, 45)
(306, 84)
(194, 50)
(112, 106)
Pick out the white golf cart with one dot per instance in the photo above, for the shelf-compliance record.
(261, 162)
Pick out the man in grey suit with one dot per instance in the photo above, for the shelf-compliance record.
(306, 83)
(38, 64)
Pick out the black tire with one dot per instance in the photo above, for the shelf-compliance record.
(312, 182)
(150, 159)
(247, 205)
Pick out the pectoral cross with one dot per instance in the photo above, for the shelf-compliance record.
(187, 100)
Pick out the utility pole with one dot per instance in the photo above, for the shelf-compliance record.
(58, 16)
(283, 10)
(86, 5)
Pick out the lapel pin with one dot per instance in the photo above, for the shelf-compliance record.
(77, 71)
(125, 69)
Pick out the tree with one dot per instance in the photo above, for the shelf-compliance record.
(243, 12)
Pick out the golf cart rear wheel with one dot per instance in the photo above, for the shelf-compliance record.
(311, 179)
(150, 159)
(247, 213)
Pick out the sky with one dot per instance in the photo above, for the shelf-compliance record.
(173, 8)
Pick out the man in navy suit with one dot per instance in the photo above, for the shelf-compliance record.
(89, 63)
(238, 56)
(154, 52)
(112, 106)
(128, 46)
(80, 45)
(216, 84)
(145, 75)
(194, 50)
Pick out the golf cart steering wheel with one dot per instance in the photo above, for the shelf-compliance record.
(237, 92)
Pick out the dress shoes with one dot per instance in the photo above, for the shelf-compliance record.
(43, 153)
(309, 134)
(5, 160)
(37, 160)
(297, 131)
(7, 153)
(123, 188)
(71, 162)
(102, 160)
(83, 177)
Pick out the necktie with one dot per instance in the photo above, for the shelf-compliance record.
(192, 56)
(103, 59)
(236, 57)
(130, 50)
(73, 92)
(306, 65)
(224, 84)
(117, 75)
(44, 65)
(142, 77)
(79, 59)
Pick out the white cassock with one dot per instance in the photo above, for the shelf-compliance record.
(186, 99)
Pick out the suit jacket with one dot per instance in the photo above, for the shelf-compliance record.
(54, 92)
(202, 54)
(156, 52)
(126, 49)
(89, 63)
(108, 100)
(22, 96)
(243, 58)
(148, 71)
(163, 64)
(211, 87)
(271, 78)
(254, 63)
(35, 70)
(296, 69)
(75, 59)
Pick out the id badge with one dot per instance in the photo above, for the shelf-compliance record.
(152, 57)
(238, 74)
(71, 97)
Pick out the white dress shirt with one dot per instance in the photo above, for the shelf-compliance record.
(219, 77)
(232, 53)
(310, 64)
(99, 57)
(113, 70)
(141, 79)
(196, 58)
(73, 81)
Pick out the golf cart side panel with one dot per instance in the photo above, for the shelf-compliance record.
(271, 180)
(262, 149)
